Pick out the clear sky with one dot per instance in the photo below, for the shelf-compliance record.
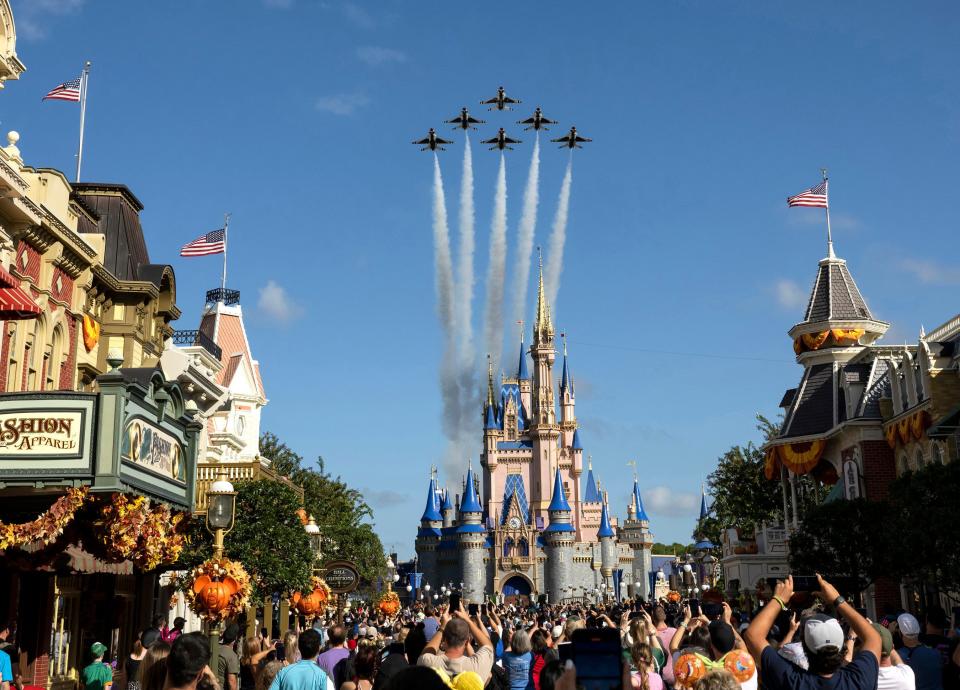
(296, 116)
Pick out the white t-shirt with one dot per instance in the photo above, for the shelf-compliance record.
(898, 677)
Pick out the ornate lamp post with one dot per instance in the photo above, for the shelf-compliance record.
(316, 540)
(221, 511)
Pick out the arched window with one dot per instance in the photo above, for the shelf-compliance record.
(523, 548)
(33, 356)
(508, 547)
(936, 454)
(54, 364)
(13, 364)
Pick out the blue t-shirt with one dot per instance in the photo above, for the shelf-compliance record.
(430, 627)
(776, 673)
(6, 670)
(518, 669)
(303, 675)
(927, 665)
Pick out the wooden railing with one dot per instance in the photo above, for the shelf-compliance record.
(207, 473)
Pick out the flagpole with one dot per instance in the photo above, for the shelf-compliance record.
(826, 193)
(223, 279)
(84, 78)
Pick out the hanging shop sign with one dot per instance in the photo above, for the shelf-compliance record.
(46, 433)
(153, 449)
(341, 577)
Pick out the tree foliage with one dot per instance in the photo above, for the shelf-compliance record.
(742, 496)
(676, 549)
(849, 539)
(339, 510)
(268, 539)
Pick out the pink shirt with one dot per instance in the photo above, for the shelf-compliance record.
(666, 636)
(653, 679)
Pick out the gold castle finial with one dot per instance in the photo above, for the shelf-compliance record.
(542, 327)
(489, 381)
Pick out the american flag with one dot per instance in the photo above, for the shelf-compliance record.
(815, 197)
(212, 243)
(67, 91)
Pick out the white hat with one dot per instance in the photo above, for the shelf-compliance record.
(362, 632)
(908, 624)
(556, 632)
(822, 631)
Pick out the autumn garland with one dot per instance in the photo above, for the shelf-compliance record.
(47, 527)
(130, 528)
(196, 584)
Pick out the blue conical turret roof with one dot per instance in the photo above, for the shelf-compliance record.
(470, 503)
(565, 374)
(490, 421)
(522, 373)
(641, 513)
(559, 500)
(590, 494)
(703, 504)
(447, 501)
(576, 444)
(430, 512)
(605, 529)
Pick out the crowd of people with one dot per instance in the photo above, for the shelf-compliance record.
(791, 643)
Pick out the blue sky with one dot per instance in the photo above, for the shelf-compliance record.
(296, 116)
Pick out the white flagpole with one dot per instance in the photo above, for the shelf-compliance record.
(223, 279)
(84, 79)
(826, 193)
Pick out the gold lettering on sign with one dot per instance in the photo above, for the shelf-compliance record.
(38, 434)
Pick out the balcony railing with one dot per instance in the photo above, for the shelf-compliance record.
(199, 339)
(228, 297)
(236, 472)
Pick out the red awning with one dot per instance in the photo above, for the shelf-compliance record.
(15, 304)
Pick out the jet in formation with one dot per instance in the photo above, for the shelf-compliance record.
(431, 141)
(464, 120)
(500, 102)
(571, 140)
(537, 121)
(501, 141)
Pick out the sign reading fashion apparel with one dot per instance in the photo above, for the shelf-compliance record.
(341, 577)
(153, 449)
(45, 434)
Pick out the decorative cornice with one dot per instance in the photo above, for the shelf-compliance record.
(67, 232)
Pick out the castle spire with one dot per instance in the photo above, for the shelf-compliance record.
(638, 501)
(431, 512)
(591, 494)
(522, 373)
(542, 326)
(565, 375)
(605, 530)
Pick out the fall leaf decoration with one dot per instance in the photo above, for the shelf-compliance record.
(47, 527)
(216, 589)
(131, 528)
(389, 603)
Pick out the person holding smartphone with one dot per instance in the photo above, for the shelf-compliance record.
(455, 632)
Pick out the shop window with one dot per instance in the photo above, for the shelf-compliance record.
(65, 652)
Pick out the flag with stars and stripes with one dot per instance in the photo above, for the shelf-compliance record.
(815, 197)
(67, 91)
(212, 243)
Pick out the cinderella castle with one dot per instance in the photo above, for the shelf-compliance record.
(524, 525)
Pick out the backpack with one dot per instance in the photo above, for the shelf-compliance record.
(499, 679)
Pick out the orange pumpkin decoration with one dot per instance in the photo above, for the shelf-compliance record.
(214, 595)
(673, 596)
(91, 333)
(389, 604)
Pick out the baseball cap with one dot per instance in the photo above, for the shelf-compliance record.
(98, 649)
(821, 631)
(908, 624)
(556, 632)
(886, 639)
(149, 637)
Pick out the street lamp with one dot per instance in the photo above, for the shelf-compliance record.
(221, 510)
(313, 534)
(391, 574)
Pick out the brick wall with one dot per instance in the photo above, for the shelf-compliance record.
(32, 268)
(66, 382)
(65, 293)
(878, 469)
(4, 355)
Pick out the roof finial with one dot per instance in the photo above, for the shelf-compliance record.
(542, 327)
(489, 381)
(589, 462)
(563, 337)
(633, 464)
(433, 472)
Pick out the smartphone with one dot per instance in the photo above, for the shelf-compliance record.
(598, 658)
(472, 609)
(694, 605)
(454, 602)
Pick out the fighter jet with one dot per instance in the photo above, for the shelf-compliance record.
(572, 140)
(501, 140)
(465, 121)
(432, 142)
(499, 101)
(537, 121)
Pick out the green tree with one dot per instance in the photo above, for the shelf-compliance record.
(268, 539)
(341, 513)
(924, 511)
(849, 539)
(676, 548)
(742, 496)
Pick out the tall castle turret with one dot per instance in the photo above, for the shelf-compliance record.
(471, 539)
(636, 532)
(608, 546)
(559, 538)
(428, 536)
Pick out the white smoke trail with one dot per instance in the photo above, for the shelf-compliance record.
(558, 237)
(443, 280)
(528, 223)
(466, 366)
(493, 324)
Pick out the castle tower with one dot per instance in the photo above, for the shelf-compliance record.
(523, 376)
(636, 532)
(447, 510)
(428, 536)
(544, 430)
(559, 538)
(568, 417)
(608, 546)
(471, 540)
